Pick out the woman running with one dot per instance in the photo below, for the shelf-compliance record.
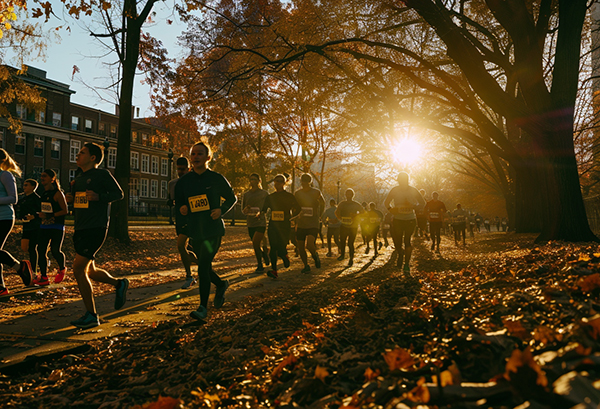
(198, 196)
(406, 199)
(253, 203)
(8, 198)
(349, 213)
(52, 229)
(283, 207)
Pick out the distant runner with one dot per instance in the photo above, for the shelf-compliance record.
(435, 211)
(348, 212)
(29, 206)
(252, 204)
(307, 229)
(459, 224)
(374, 218)
(385, 229)
(333, 226)
(422, 218)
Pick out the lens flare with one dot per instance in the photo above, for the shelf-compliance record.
(406, 151)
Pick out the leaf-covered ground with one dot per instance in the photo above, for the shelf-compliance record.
(500, 324)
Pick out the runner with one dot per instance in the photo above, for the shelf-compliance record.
(422, 218)
(93, 191)
(307, 228)
(363, 222)
(406, 198)
(333, 227)
(487, 225)
(374, 218)
(459, 224)
(387, 225)
(52, 228)
(283, 206)
(349, 213)
(29, 206)
(435, 211)
(478, 222)
(253, 203)
(183, 243)
(8, 198)
(504, 224)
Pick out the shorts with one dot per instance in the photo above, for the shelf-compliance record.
(31, 235)
(301, 234)
(259, 229)
(87, 242)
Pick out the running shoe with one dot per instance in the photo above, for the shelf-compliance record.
(317, 260)
(121, 293)
(350, 263)
(25, 272)
(367, 250)
(406, 268)
(89, 320)
(4, 291)
(220, 294)
(380, 245)
(60, 275)
(329, 254)
(272, 273)
(306, 269)
(265, 256)
(341, 257)
(41, 281)
(200, 314)
(259, 270)
(432, 246)
(437, 250)
(189, 281)
(286, 261)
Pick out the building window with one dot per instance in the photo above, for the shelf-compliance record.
(56, 119)
(89, 125)
(1, 137)
(112, 157)
(134, 187)
(145, 163)
(143, 187)
(75, 123)
(163, 189)
(21, 111)
(154, 188)
(101, 129)
(72, 174)
(38, 146)
(134, 137)
(155, 165)
(113, 131)
(164, 167)
(144, 139)
(135, 161)
(37, 172)
(55, 149)
(74, 150)
(20, 144)
(40, 116)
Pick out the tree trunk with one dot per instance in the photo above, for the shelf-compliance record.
(527, 200)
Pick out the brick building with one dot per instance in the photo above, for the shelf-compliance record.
(52, 136)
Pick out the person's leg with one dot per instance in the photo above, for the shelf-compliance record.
(396, 233)
(56, 242)
(5, 257)
(206, 250)
(408, 232)
(300, 242)
(344, 232)
(274, 242)
(351, 239)
(265, 249)
(186, 259)
(80, 268)
(43, 246)
(311, 246)
(256, 243)
(329, 236)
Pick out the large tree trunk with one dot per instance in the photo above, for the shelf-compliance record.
(528, 200)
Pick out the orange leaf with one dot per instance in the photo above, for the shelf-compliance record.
(593, 326)
(398, 358)
(371, 374)
(290, 360)
(589, 283)
(525, 358)
(163, 402)
(321, 373)
(445, 378)
(515, 328)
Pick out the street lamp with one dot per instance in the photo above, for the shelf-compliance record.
(106, 144)
(338, 192)
(170, 156)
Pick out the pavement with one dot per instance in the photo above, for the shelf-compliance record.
(33, 338)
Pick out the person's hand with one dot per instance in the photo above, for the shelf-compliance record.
(92, 196)
(246, 209)
(29, 217)
(69, 197)
(215, 213)
(183, 210)
(41, 215)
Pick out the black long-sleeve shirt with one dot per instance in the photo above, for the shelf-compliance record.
(30, 204)
(283, 206)
(93, 214)
(202, 193)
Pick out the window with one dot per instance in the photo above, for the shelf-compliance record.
(75, 123)
(144, 139)
(37, 172)
(112, 157)
(154, 188)
(143, 187)
(40, 116)
(135, 161)
(134, 187)
(21, 111)
(145, 163)
(155, 165)
(38, 146)
(102, 129)
(134, 137)
(1, 137)
(74, 150)
(56, 119)
(89, 125)
(72, 174)
(163, 189)
(55, 149)
(113, 131)
(164, 167)
(20, 144)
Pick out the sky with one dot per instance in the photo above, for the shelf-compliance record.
(77, 48)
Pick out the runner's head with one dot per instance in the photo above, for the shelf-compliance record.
(48, 177)
(435, 195)
(255, 181)
(422, 192)
(95, 150)
(332, 202)
(458, 206)
(403, 179)
(279, 181)
(29, 186)
(8, 163)
(200, 155)
(349, 194)
(183, 166)
(372, 206)
(305, 180)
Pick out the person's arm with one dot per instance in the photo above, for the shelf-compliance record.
(226, 193)
(420, 200)
(180, 199)
(59, 197)
(8, 180)
(112, 191)
(296, 209)
(388, 201)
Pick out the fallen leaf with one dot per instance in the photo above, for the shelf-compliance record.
(398, 358)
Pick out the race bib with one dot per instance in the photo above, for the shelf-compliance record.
(254, 211)
(434, 215)
(347, 221)
(386, 227)
(47, 207)
(460, 218)
(307, 211)
(277, 216)
(374, 220)
(199, 203)
(81, 201)
(405, 210)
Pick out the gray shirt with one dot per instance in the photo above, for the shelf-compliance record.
(311, 201)
(329, 218)
(255, 200)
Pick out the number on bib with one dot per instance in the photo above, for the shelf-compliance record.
(277, 216)
(254, 211)
(81, 200)
(375, 220)
(47, 207)
(198, 203)
(434, 215)
(347, 221)
(405, 210)
(307, 211)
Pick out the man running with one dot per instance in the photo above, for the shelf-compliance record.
(91, 194)
(435, 211)
(307, 229)
(459, 224)
(253, 202)
(422, 218)
(333, 226)
(387, 225)
(374, 218)
(348, 212)
(29, 206)
(406, 198)
(183, 246)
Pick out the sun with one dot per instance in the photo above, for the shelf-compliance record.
(406, 151)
